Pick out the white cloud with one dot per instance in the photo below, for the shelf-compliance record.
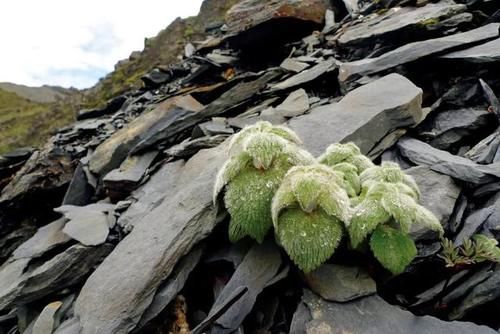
(74, 43)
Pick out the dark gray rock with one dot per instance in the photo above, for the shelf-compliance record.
(438, 289)
(189, 147)
(123, 180)
(300, 318)
(483, 53)
(481, 293)
(297, 103)
(46, 321)
(112, 152)
(22, 284)
(79, 191)
(293, 65)
(491, 97)
(373, 315)
(414, 51)
(460, 168)
(125, 283)
(340, 283)
(171, 287)
(150, 195)
(472, 224)
(259, 266)
(486, 150)
(45, 239)
(156, 78)
(87, 224)
(466, 285)
(212, 128)
(111, 106)
(396, 21)
(307, 75)
(364, 116)
(439, 195)
(451, 127)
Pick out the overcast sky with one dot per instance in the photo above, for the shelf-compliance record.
(74, 43)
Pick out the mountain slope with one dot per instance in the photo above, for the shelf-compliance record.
(27, 123)
(43, 94)
(164, 49)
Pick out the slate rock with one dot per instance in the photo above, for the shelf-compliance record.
(121, 181)
(297, 103)
(247, 16)
(293, 65)
(485, 152)
(484, 53)
(125, 283)
(156, 78)
(364, 116)
(443, 162)
(414, 51)
(111, 106)
(258, 268)
(46, 322)
(439, 195)
(22, 284)
(46, 238)
(451, 127)
(307, 75)
(481, 293)
(396, 21)
(79, 191)
(373, 315)
(189, 147)
(341, 283)
(472, 224)
(112, 152)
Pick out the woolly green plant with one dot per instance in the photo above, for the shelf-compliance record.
(309, 210)
(260, 156)
(348, 153)
(478, 249)
(387, 212)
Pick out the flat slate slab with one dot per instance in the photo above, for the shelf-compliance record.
(124, 285)
(364, 116)
(416, 50)
(375, 316)
(444, 162)
(396, 20)
(484, 53)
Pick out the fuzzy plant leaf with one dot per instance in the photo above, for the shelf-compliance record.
(392, 248)
(390, 172)
(251, 176)
(486, 249)
(308, 238)
(367, 216)
(350, 153)
(237, 141)
(351, 181)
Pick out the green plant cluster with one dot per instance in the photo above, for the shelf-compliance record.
(270, 182)
(478, 249)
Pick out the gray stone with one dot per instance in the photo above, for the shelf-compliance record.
(472, 224)
(484, 53)
(121, 181)
(70, 326)
(171, 287)
(151, 194)
(439, 195)
(385, 143)
(259, 266)
(364, 116)
(87, 224)
(221, 59)
(491, 97)
(293, 65)
(300, 318)
(432, 293)
(460, 168)
(46, 322)
(339, 283)
(22, 284)
(397, 20)
(465, 286)
(211, 128)
(297, 103)
(486, 150)
(375, 316)
(451, 127)
(306, 75)
(125, 283)
(112, 152)
(414, 51)
(45, 239)
(189, 147)
(79, 191)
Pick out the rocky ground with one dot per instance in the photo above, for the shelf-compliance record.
(110, 227)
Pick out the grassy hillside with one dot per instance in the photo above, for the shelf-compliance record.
(163, 49)
(43, 94)
(27, 123)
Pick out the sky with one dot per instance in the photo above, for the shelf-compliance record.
(73, 43)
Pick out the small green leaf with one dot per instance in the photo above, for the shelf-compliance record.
(392, 248)
(367, 216)
(309, 238)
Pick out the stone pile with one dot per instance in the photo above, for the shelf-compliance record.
(110, 227)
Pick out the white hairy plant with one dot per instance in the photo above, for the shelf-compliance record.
(260, 156)
(309, 211)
